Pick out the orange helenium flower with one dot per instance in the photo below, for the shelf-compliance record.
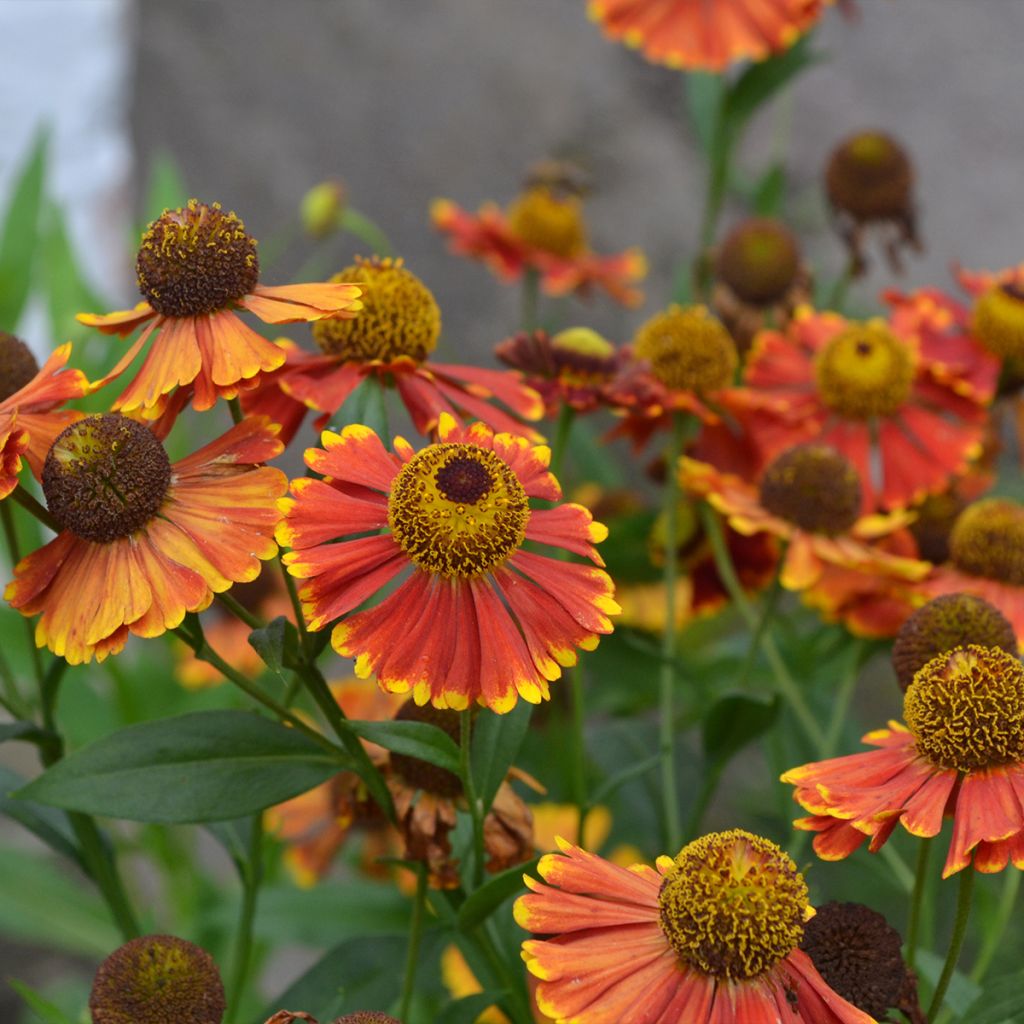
(30, 400)
(144, 541)
(478, 618)
(866, 391)
(506, 244)
(705, 35)
(195, 266)
(708, 937)
(960, 755)
(810, 498)
(392, 340)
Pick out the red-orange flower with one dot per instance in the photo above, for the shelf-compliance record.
(391, 340)
(709, 937)
(477, 617)
(542, 231)
(961, 754)
(144, 541)
(195, 266)
(30, 400)
(869, 393)
(809, 497)
(705, 35)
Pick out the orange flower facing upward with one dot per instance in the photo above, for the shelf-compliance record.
(708, 937)
(705, 35)
(542, 231)
(392, 340)
(809, 497)
(143, 541)
(30, 401)
(961, 754)
(866, 391)
(478, 617)
(195, 266)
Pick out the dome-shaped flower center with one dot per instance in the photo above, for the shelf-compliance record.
(157, 979)
(758, 260)
(988, 540)
(947, 622)
(857, 952)
(865, 371)
(422, 774)
(966, 709)
(400, 316)
(457, 510)
(814, 487)
(999, 320)
(688, 349)
(934, 523)
(17, 365)
(550, 220)
(734, 906)
(870, 177)
(583, 342)
(196, 260)
(105, 477)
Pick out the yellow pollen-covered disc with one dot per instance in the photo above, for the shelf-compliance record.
(688, 349)
(549, 220)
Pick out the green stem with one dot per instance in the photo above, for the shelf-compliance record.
(469, 789)
(366, 230)
(844, 695)
(236, 409)
(920, 880)
(239, 610)
(708, 787)
(579, 760)
(837, 297)
(415, 935)
(785, 684)
(771, 599)
(667, 671)
(531, 294)
(375, 414)
(14, 549)
(30, 504)
(994, 935)
(721, 145)
(252, 876)
(566, 418)
(956, 942)
(103, 870)
(293, 596)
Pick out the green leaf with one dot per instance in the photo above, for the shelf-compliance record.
(275, 643)
(734, 721)
(962, 992)
(20, 234)
(612, 784)
(166, 189)
(496, 742)
(45, 823)
(42, 1008)
(762, 80)
(769, 192)
(468, 1009)
(41, 904)
(203, 766)
(705, 93)
(1002, 1002)
(414, 739)
(484, 901)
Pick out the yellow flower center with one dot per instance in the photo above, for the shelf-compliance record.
(865, 371)
(966, 709)
(949, 621)
(734, 906)
(988, 540)
(582, 341)
(688, 349)
(549, 220)
(759, 261)
(400, 316)
(422, 774)
(196, 260)
(105, 477)
(999, 320)
(157, 979)
(870, 177)
(458, 510)
(814, 487)
(17, 365)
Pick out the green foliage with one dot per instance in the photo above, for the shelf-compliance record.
(415, 739)
(1001, 1002)
(481, 903)
(41, 1008)
(20, 233)
(496, 742)
(204, 766)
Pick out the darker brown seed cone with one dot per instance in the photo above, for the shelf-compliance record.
(17, 365)
(814, 487)
(949, 621)
(367, 1017)
(857, 952)
(869, 176)
(421, 774)
(758, 260)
